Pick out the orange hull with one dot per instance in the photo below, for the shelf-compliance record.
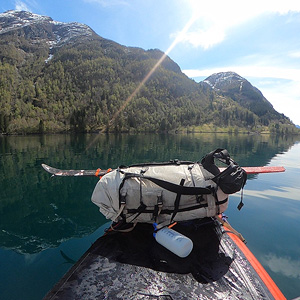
(265, 277)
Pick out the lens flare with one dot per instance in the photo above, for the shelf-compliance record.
(178, 38)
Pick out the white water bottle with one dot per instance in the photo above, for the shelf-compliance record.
(174, 241)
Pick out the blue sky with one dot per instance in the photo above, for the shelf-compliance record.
(259, 40)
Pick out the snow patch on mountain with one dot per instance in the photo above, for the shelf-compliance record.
(241, 85)
(49, 58)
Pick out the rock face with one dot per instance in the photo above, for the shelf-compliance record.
(36, 28)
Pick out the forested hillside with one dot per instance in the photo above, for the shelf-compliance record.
(51, 81)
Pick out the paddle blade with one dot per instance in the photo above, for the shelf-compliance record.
(258, 170)
(266, 169)
(59, 172)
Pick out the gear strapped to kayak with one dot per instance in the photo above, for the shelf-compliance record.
(171, 191)
(196, 259)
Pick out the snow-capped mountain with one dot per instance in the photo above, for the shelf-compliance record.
(218, 80)
(242, 91)
(42, 27)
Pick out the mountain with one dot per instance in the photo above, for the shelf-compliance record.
(42, 28)
(61, 77)
(240, 90)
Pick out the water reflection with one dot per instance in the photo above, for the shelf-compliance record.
(283, 265)
(38, 212)
(290, 193)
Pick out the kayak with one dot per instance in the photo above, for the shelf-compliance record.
(132, 265)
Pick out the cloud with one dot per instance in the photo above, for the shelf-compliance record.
(26, 5)
(294, 54)
(288, 159)
(19, 5)
(213, 20)
(203, 38)
(289, 193)
(282, 265)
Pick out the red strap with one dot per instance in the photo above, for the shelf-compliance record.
(173, 224)
(97, 172)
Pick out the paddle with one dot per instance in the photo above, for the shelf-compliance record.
(99, 172)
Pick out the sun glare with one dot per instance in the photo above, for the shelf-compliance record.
(212, 21)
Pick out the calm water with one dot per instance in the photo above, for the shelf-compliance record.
(46, 223)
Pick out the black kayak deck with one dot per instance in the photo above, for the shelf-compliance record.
(134, 266)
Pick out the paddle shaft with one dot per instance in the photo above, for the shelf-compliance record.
(100, 173)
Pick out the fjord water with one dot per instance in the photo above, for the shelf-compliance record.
(47, 223)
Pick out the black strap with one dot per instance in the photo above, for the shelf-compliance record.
(172, 187)
(208, 162)
(171, 211)
(177, 201)
(169, 163)
(141, 209)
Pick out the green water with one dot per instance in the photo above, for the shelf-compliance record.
(48, 223)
